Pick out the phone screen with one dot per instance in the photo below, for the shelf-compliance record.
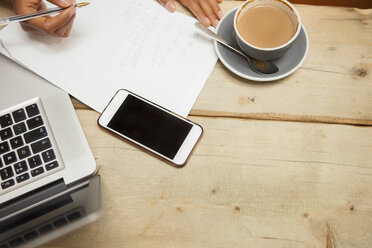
(150, 126)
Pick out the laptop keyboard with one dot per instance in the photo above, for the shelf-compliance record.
(28, 150)
(45, 228)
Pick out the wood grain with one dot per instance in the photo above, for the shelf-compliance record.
(5, 9)
(248, 184)
(345, 3)
(333, 85)
(365, 4)
(276, 181)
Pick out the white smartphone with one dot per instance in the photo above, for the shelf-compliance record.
(151, 127)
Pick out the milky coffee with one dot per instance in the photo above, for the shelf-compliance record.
(266, 26)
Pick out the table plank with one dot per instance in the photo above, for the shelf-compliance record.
(350, 3)
(346, 3)
(334, 84)
(247, 184)
(5, 10)
(254, 183)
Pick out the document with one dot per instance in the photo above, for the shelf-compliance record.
(131, 44)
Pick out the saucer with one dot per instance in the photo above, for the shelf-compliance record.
(287, 64)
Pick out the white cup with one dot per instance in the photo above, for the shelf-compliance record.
(267, 53)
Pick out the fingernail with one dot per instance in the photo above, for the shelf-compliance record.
(170, 6)
(207, 22)
(219, 14)
(215, 22)
(72, 12)
(64, 3)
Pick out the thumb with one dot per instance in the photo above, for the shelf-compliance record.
(170, 5)
(62, 3)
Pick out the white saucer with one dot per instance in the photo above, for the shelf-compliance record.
(287, 64)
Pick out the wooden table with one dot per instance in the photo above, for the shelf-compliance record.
(281, 164)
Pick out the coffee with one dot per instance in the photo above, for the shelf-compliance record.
(266, 26)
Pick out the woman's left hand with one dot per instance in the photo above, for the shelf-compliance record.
(207, 11)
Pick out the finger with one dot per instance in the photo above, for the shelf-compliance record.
(41, 6)
(219, 1)
(62, 32)
(216, 9)
(29, 29)
(195, 8)
(21, 8)
(51, 24)
(68, 31)
(170, 5)
(62, 3)
(209, 12)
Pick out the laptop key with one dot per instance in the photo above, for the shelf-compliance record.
(41, 145)
(19, 115)
(10, 158)
(60, 222)
(35, 134)
(75, 215)
(6, 173)
(7, 184)
(27, 148)
(30, 235)
(45, 229)
(5, 120)
(19, 128)
(35, 122)
(16, 242)
(48, 156)
(34, 161)
(4, 147)
(22, 177)
(16, 142)
(32, 110)
(37, 171)
(20, 167)
(6, 133)
(23, 152)
(51, 166)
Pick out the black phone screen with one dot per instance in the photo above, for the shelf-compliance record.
(150, 126)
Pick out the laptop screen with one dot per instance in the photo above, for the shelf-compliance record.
(34, 213)
(53, 216)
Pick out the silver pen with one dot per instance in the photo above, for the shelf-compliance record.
(20, 18)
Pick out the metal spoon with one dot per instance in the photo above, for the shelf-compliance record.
(259, 66)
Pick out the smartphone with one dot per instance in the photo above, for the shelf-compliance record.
(151, 127)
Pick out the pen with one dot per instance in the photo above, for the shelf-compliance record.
(20, 18)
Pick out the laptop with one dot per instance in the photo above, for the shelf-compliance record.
(47, 182)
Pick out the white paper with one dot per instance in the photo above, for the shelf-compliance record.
(131, 44)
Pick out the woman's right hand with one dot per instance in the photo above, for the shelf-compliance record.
(59, 25)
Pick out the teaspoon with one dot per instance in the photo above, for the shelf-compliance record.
(259, 66)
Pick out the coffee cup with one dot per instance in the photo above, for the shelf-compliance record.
(266, 29)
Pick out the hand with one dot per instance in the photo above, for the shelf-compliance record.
(207, 11)
(59, 25)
